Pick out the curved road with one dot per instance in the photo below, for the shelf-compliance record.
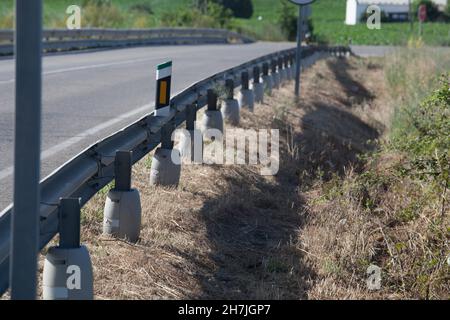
(87, 96)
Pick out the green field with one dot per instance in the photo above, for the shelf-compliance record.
(328, 21)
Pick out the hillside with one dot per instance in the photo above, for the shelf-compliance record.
(328, 18)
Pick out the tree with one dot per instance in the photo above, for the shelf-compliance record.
(240, 8)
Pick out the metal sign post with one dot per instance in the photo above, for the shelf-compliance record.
(298, 59)
(25, 217)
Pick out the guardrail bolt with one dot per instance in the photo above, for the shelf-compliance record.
(122, 213)
(191, 141)
(67, 268)
(258, 87)
(230, 108)
(246, 96)
(213, 116)
(267, 79)
(166, 163)
(275, 75)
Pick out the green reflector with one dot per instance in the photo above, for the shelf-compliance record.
(165, 65)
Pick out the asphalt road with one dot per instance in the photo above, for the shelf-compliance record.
(87, 96)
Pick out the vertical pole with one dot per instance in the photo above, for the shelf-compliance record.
(245, 80)
(265, 69)
(122, 169)
(256, 74)
(212, 100)
(229, 87)
(69, 223)
(166, 135)
(299, 51)
(191, 116)
(25, 218)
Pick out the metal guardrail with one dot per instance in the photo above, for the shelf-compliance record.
(63, 39)
(93, 169)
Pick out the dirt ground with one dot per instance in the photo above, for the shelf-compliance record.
(229, 233)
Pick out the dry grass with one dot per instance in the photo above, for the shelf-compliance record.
(229, 233)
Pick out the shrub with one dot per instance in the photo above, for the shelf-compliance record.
(216, 16)
(428, 142)
(142, 8)
(102, 14)
(433, 12)
(288, 20)
(239, 8)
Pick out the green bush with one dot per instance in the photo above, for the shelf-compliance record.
(433, 13)
(216, 16)
(428, 140)
(240, 8)
(142, 8)
(288, 20)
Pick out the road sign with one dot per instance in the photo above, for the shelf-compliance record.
(422, 13)
(164, 79)
(301, 4)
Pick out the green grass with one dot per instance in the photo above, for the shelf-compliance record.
(328, 20)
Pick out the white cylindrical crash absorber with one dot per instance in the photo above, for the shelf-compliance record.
(166, 163)
(258, 87)
(67, 268)
(191, 142)
(267, 80)
(246, 97)
(230, 108)
(122, 213)
(213, 116)
(275, 75)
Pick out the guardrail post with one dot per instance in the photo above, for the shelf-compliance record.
(293, 66)
(191, 142)
(166, 163)
(230, 108)
(246, 97)
(213, 116)
(281, 70)
(288, 68)
(67, 267)
(275, 75)
(267, 79)
(258, 87)
(122, 213)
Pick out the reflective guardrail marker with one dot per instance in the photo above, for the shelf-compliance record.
(164, 78)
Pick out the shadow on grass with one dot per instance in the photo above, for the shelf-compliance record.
(356, 92)
(254, 224)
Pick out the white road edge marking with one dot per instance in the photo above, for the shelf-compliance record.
(94, 66)
(79, 137)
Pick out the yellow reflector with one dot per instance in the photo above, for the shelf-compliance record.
(163, 92)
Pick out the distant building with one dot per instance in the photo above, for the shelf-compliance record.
(394, 9)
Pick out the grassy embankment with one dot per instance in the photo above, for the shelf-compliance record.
(354, 189)
(395, 212)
